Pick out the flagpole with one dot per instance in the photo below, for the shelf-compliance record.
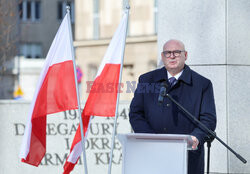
(78, 97)
(118, 95)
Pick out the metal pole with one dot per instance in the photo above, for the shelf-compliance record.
(118, 96)
(208, 155)
(77, 92)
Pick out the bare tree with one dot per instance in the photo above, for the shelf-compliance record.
(8, 40)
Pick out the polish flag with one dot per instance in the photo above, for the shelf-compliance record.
(55, 92)
(103, 93)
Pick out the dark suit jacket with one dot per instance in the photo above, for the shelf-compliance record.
(193, 91)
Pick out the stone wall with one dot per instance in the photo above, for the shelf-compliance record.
(61, 128)
(216, 37)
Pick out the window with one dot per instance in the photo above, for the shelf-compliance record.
(96, 20)
(156, 16)
(37, 10)
(20, 10)
(29, 10)
(92, 71)
(61, 10)
(31, 50)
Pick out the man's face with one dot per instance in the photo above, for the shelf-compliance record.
(174, 56)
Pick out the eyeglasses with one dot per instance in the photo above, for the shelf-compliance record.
(176, 53)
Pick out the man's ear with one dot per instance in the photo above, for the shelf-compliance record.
(186, 55)
(162, 56)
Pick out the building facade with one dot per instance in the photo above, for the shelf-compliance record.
(39, 22)
(95, 24)
(28, 28)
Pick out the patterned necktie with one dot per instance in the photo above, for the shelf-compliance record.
(172, 81)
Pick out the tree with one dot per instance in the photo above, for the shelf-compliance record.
(8, 45)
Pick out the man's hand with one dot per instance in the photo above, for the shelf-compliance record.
(195, 142)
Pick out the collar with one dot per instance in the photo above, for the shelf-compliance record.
(176, 76)
(185, 76)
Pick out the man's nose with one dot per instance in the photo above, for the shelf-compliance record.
(172, 55)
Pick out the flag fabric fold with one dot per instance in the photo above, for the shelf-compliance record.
(55, 92)
(103, 93)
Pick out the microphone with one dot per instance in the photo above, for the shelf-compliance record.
(162, 93)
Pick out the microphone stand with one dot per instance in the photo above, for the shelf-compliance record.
(211, 134)
(208, 140)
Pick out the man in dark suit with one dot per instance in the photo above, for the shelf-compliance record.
(193, 91)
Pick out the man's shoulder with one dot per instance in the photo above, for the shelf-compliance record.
(151, 73)
(199, 78)
(150, 76)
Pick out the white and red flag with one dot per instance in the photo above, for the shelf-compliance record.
(55, 92)
(103, 93)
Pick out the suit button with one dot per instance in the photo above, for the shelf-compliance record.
(165, 129)
(168, 105)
